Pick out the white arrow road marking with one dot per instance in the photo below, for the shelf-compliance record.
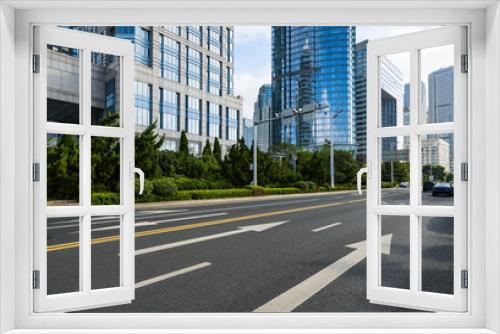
(241, 229)
(326, 227)
(291, 299)
(172, 274)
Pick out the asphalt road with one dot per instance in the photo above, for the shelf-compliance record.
(275, 255)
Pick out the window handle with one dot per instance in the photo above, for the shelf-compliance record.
(139, 171)
(359, 175)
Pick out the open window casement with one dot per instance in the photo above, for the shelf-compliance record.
(97, 113)
(410, 135)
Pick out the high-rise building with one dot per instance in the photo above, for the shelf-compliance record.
(440, 84)
(248, 131)
(360, 99)
(262, 117)
(313, 65)
(183, 81)
(392, 110)
(436, 151)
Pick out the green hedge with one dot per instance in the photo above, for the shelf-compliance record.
(185, 183)
(164, 189)
(105, 198)
(212, 193)
(281, 191)
(306, 186)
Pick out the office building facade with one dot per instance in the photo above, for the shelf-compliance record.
(312, 65)
(184, 81)
(262, 117)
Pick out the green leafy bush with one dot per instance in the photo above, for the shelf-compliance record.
(281, 191)
(306, 186)
(105, 198)
(148, 188)
(164, 188)
(213, 193)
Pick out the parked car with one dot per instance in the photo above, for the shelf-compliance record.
(442, 189)
(404, 184)
(428, 186)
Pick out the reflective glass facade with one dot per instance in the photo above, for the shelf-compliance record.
(193, 115)
(214, 120)
(169, 110)
(309, 63)
(142, 39)
(214, 76)
(193, 72)
(232, 121)
(170, 54)
(214, 40)
(143, 103)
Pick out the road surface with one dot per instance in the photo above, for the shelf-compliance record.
(276, 255)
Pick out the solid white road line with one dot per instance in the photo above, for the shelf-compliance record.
(172, 274)
(188, 218)
(291, 299)
(241, 229)
(326, 227)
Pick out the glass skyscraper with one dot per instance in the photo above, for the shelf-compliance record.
(312, 65)
(262, 116)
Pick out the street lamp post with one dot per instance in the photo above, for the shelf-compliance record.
(332, 147)
(255, 148)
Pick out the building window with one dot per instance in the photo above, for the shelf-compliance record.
(194, 34)
(193, 119)
(169, 110)
(169, 58)
(173, 29)
(214, 39)
(232, 118)
(214, 120)
(143, 103)
(229, 45)
(214, 76)
(194, 149)
(169, 145)
(193, 68)
(229, 83)
(143, 46)
(110, 98)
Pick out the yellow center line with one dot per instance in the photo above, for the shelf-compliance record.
(101, 240)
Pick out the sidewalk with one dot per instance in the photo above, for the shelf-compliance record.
(168, 204)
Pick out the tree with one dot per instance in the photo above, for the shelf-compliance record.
(217, 152)
(147, 151)
(63, 168)
(207, 151)
(183, 145)
(346, 167)
(435, 170)
(237, 164)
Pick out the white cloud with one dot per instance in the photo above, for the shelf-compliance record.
(248, 34)
(247, 84)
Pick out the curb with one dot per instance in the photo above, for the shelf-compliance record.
(201, 202)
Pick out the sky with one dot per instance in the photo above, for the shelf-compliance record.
(252, 57)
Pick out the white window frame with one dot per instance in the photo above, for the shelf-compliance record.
(16, 20)
(414, 210)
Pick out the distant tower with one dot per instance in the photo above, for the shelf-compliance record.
(306, 82)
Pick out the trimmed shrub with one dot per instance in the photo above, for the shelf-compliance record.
(164, 188)
(306, 186)
(213, 193)
(148, 188)
(105, 198)
(281, 191)
(256, 190)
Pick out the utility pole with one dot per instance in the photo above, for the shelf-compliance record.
(254, 165)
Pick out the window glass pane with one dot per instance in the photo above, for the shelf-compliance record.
(105, 259)
(395, 251)
(436, 71)
(105, 89)
(394, 79)
(105, 170)
(437, 254)
(395, 170)
(63, 84)
(437, 169)
(143, 103)
(63, 255)
(63, 169)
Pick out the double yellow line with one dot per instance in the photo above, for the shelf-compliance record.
(146, 233)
